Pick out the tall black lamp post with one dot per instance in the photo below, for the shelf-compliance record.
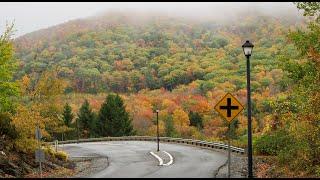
(157, 111)
(247, 50)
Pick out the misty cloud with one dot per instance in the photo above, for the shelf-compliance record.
(34, 16)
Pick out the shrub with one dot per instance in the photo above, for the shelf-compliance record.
(298, 156)
(49, 152)
(61, 155)
(25, 145)
(317, 170)
(271, 144)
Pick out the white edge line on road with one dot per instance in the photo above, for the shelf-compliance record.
(160, 160)
(171, 159)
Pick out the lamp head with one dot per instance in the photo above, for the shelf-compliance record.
(247, 48)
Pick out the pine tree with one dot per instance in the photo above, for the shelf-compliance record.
(94, 131)
(113, 118)
(67, 115)
(195, 120)
(86, 120)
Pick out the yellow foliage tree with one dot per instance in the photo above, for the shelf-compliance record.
(26, 120)
(43, 98)
(152, 131)
(180, 120)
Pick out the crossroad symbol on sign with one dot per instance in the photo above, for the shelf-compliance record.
(229, 107)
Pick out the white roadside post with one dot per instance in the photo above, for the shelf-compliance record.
(39, 154)
(56, 145)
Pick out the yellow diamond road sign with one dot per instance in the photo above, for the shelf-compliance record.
(229, 107)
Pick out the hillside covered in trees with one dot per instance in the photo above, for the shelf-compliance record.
(116, 53)
(181, 67)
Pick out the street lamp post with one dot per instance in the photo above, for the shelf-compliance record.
(157, 129)
(247, 50)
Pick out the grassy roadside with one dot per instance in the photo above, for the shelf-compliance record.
(268, 167)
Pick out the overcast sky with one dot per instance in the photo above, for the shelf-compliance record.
(31, 16)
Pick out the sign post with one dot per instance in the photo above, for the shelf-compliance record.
(229, 108)
(229, 152)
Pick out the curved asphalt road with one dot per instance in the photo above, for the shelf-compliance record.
(133, 159)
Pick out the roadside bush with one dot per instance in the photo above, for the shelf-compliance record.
(61, 155)
(304, 153)
(271, 144)
(318, 170)
(49, 152)
(25, 145)
(297, 156)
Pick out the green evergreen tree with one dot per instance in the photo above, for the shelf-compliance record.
(196, 120)
(67, 115)
(113, 119)
(94, 131)
(86, 120)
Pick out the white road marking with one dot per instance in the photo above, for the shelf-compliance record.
(160, 160)
(171, 159)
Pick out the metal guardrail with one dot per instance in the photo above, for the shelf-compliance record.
(206, 144)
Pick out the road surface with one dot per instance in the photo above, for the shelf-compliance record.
(133, 159)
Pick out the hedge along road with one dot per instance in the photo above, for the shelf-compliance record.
(133, 159)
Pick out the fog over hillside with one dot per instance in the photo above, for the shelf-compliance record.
(31, 17)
